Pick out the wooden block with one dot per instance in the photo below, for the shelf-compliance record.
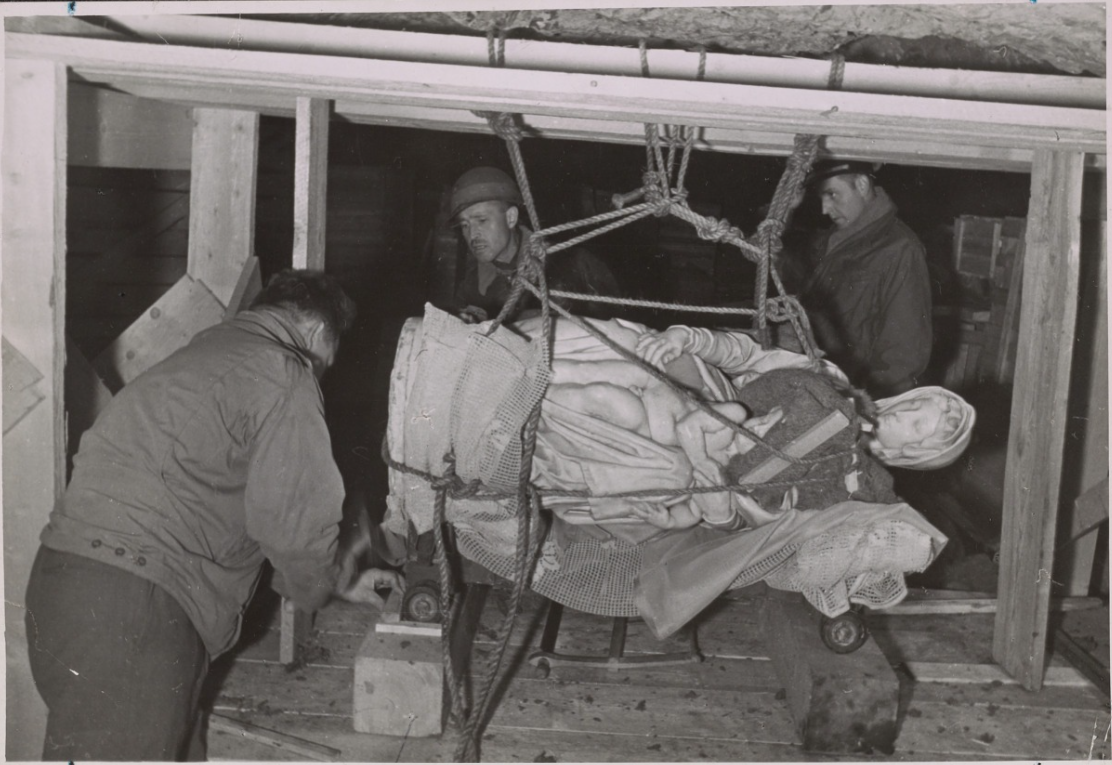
(801, 446)
(185, 309)
(399, 686)
(310, 184)
(842, 703)
(294, 626)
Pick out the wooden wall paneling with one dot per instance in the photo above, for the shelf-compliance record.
(111, 129)
(222, 197)
(32, 294)
(186, 309)
(1033, 475)
(310, 182)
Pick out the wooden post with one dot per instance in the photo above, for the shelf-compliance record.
(33, 299)
(222, 197)
(1048, 317)
(310, 182)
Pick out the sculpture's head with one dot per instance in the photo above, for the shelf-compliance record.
(923, 429)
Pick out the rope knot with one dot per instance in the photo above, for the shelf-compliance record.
(712, 229)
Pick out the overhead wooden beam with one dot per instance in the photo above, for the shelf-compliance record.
(1048, 317)
(32, 311)
(222, 197)
(310, 182)
(758, 143)
(604, 97)
(112, 129)
(533, 55)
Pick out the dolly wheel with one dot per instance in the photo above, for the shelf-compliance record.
(541, 669)
(422, 603)
(844, 633)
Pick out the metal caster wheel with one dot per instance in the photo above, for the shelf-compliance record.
(844, 633)
(422, 603)
(541, 670)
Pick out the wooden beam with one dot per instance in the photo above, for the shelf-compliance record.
(222, 197)
(309, 750)
(247, 287)
(986, 605)
(922, 153)
(112, 129)
(293, 631)
(605, 97)
(32, 311)
(1048, 317)
(185, 309)
(310, 182)
(983, 674)
(86, 396)
(533, 55)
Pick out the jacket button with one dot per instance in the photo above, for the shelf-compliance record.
(120, 551)
(96, 543)
(141, 560)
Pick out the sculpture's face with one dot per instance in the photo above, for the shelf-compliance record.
(487, 228)
(844, 198)
(913, 421)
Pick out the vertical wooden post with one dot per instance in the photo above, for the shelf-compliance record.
(34, 299)
(222, 197)
(1048, 317)
(310, 182)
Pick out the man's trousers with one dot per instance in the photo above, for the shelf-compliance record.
(117, 661)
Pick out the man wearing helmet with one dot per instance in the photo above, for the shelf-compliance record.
(486, 205)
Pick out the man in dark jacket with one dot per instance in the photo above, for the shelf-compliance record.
(868, 296)
(202, 468)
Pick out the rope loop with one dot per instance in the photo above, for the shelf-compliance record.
(837, 72)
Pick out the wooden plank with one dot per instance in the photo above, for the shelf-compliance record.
(1081, 660)
(86, 396)
(1004, 364)
(984, 606)
(1038, 419)
(111, 129)
(604, 97)
(1010, 695)
(307, 749)
(932, 672)
(22, 393)
(248, 286)
(222, 197)
(310, 182)
(532, 55)
(921, 153)
(187, 308)
(845, 703)
(294, 626)
(32, 312)
(957, 732)
(824, 430)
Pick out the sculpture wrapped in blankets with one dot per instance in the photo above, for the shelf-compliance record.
(609, 428)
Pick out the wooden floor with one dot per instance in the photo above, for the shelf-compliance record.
(956, 705)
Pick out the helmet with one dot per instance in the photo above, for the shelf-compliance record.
(483, 184)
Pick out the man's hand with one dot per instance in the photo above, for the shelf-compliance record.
(658, 348)
(472, 314)
(362, 590)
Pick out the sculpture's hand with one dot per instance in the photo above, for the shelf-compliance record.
(658, 348)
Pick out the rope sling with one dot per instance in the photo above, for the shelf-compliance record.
(661, 194)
